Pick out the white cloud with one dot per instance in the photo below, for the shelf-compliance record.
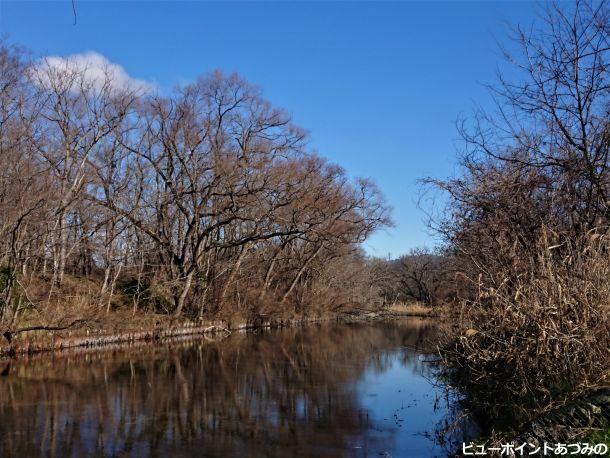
(95, 69)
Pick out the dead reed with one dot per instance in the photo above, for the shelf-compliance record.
(538, 331)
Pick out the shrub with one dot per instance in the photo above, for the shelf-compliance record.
(540, 334)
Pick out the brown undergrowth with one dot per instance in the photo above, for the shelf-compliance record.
(77, 315)
(539, 334)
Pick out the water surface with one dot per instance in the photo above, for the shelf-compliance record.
(363, 389)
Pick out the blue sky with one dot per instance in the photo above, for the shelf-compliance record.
(379, 85)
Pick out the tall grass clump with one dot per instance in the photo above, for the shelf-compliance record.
(539, 334)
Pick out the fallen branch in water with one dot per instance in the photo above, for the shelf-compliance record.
(8, 335)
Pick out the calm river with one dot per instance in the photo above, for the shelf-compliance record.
(363, 389)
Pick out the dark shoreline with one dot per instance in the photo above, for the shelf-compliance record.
(23, 347)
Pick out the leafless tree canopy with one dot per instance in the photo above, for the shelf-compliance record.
(203, 201)
(422, 276)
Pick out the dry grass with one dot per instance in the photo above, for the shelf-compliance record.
(540, 335)
(412, 308)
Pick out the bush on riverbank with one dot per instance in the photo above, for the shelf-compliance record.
(527, 223)
(542, 335)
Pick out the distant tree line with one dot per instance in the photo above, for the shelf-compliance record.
(204, 200)
(422, 275)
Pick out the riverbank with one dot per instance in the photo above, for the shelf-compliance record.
(120, 328)
(584, 417)
(583, 420)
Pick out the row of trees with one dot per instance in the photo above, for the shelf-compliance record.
(193, 202)
(422, 275)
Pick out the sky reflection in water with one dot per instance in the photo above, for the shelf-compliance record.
(330, 390)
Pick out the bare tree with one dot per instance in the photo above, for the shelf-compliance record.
(203, 201)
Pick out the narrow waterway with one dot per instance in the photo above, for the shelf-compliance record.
(365, 389)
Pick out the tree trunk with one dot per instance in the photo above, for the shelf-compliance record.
(234, 272)
(182, 298)
(299, 273)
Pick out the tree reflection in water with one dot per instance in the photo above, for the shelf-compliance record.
(292, 392)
